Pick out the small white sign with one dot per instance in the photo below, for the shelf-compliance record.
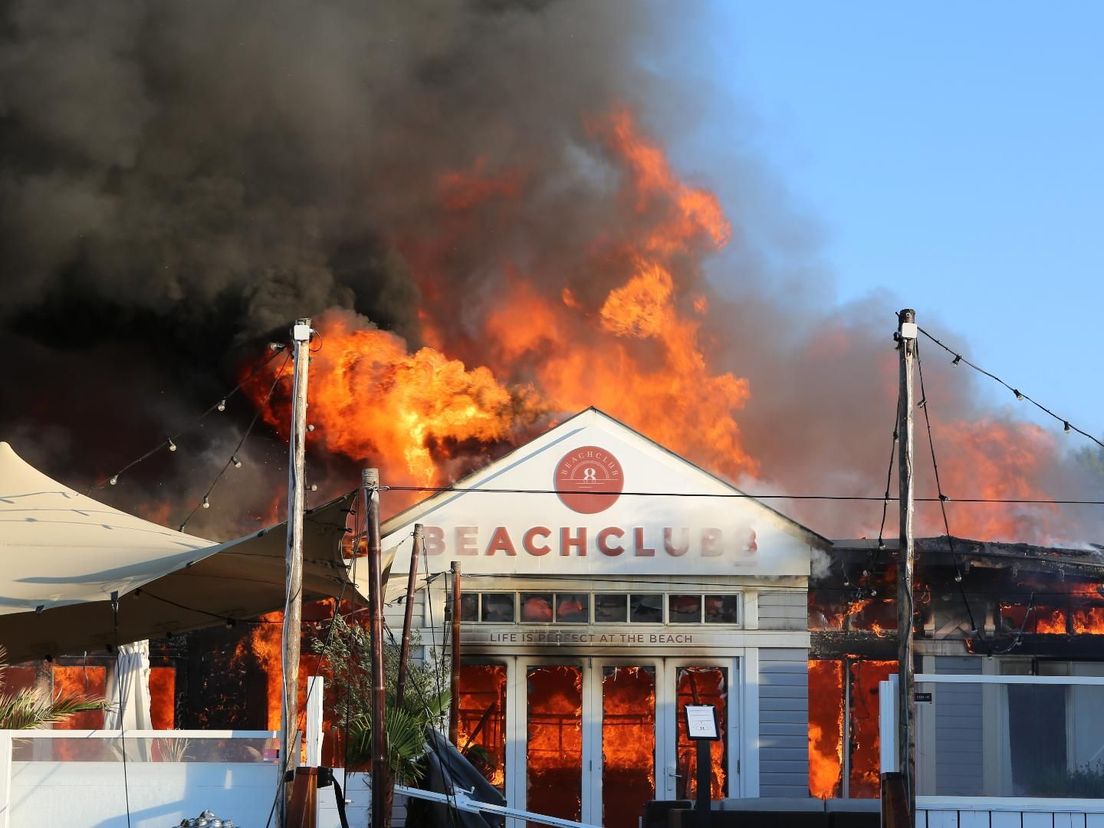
(701, 721)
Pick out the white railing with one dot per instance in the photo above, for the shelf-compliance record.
(136, 778)
(937, 811)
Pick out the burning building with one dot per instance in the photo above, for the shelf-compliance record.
(607, 583)
(982, 608)
(471, 285)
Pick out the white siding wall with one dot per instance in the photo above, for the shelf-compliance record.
(783, 610)
(783, 721)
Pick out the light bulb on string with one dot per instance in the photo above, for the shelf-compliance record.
(1016, 391)
(957, 359)
(221, 405)
(172, 445)
(1066, 426)
(114, 481)
(237, 463)
(206, 503)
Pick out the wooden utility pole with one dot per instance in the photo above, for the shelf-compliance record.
(293, 606)
(370, 507)
(906, 705)
(454, 673)
(408, 616)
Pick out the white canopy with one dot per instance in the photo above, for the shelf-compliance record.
(63, 554)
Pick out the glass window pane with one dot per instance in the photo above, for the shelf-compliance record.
(825, 727)
(721, 609)
(554, 749)
(628, 743)
(865, 740)
(536, 606)
(482, 727)
(498, 607)
(469, 607)
(646, 609)
(702, 685)
(684, 609)
(572, 607)
(611, 607)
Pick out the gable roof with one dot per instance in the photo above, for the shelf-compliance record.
(661, 490)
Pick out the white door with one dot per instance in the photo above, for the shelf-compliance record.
(698, 681)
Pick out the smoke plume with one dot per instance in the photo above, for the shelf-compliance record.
(185, 179)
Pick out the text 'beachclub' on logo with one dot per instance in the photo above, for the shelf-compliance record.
(589, 480)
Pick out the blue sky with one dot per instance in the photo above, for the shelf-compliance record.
(949, 154)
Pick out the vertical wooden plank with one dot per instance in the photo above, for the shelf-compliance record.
(973, 819)
(921, 818)
(1006, 819)
(1063, 821)
(1094, 820)
(942, 819)
(1038, 820)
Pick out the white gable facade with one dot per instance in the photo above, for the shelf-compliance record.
(606, 584)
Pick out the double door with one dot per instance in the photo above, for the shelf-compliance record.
(593, 739)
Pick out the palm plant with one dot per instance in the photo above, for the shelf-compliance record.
(31, 708)
(347, 650)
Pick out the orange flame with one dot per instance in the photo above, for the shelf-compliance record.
(865, 738)
(544, 351)
(264, 642)
(162, 687)
(997, 460)
(825, 728)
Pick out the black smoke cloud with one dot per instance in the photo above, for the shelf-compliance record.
(181, 180)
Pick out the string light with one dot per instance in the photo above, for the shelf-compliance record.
(943, 509)
(1066, 424)
(235, 459)
(275, 349)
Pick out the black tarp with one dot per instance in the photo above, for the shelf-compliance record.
(448, 771)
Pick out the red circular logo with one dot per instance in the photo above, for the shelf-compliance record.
(589, 479)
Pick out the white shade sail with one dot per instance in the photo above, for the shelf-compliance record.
(63, 555)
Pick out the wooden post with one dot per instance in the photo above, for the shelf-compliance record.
(906, 706)
(293, 608)
(370, 507)
(408, 616)
(454, 675)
